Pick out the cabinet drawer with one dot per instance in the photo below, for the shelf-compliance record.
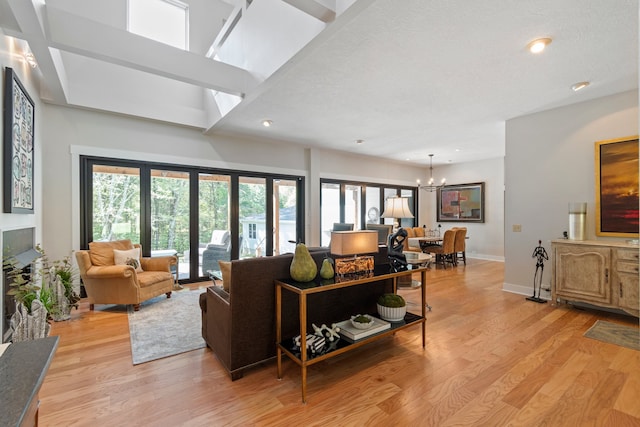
(627, 267)
(628, 254)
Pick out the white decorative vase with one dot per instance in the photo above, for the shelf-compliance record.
(62, 308)
(29, 326)
(392, 314)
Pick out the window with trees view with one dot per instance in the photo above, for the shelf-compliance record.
(180, 210)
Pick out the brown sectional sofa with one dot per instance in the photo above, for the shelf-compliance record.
(239, 326)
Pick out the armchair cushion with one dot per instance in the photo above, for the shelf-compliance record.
(129, 257)
(219, 237)
(101, 253)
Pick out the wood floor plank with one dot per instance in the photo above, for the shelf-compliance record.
(491, 358)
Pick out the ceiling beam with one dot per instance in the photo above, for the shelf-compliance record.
(75, 34)
(30, 21)
(314, 8)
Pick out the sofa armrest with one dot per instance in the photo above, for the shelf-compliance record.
(216, 324)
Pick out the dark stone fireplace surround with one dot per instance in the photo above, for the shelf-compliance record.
(20, 245)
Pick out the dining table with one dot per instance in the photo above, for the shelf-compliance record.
(424, 242)
(419, 242)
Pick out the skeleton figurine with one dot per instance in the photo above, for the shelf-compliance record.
(541, 255)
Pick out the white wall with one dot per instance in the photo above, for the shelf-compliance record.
(486, 240)
(549, 163)
(11, 56)
(72, 132)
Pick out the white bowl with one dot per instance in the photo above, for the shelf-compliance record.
(359, 325)
(392, 314)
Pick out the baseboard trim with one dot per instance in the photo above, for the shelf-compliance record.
(525, 290)
(486, 257)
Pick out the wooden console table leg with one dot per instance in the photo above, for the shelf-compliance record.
(279, 328)
(423, 295)
(303, 345)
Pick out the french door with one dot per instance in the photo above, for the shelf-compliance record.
(190, 212)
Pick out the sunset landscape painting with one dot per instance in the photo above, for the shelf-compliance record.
(617, 187)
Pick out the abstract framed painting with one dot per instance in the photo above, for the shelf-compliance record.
(461, 203)
(19, 120)
(616, 168)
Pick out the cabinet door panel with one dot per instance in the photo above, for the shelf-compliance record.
(628, 288)
(583, 273)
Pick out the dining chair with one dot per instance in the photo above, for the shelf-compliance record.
(445, 253)
(459, 245)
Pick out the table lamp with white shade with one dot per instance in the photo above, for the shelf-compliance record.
(397, 208)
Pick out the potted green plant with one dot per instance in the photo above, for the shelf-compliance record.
(32, 304)
(392, 307)
(57, 278)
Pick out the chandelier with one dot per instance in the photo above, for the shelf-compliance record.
(430, 186)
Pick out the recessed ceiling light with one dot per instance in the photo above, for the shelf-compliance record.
(538, 45)
(580, 85)
(267, 123)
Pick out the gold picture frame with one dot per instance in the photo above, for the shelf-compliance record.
(616, 178)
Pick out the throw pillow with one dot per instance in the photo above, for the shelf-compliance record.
(225, 269)
(101, 253)
(130, 257)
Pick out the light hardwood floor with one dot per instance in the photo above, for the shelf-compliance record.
(492, 359)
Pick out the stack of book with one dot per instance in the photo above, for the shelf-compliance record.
(351, 333)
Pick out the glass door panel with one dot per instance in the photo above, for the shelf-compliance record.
(329, 210)
(116, 203)
(372, 205)
(352, 204)
(284, 216)
(214, 230)
(170, 215)
(252, 201)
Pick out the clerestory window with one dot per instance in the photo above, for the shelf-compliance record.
(166, 21)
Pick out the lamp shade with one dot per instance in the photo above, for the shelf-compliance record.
(354, 242)
(397, 207)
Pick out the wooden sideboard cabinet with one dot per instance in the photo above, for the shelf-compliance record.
(602, 273)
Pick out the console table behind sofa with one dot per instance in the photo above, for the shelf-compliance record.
(240, 326)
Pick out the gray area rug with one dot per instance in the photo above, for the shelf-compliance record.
(614, 333)
(166, 326)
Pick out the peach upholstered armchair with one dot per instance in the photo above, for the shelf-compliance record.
(116, 273)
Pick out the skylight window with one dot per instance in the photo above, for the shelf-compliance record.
(166, 21)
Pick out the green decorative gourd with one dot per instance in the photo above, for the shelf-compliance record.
(303, 268)
(326, 270)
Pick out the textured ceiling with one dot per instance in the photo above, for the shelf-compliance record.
(408, 77)
(417, 77)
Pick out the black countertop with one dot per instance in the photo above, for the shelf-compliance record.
(23, 367)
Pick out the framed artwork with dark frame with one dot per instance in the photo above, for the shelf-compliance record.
(461, 203)
(19, 116)
(616, 167)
